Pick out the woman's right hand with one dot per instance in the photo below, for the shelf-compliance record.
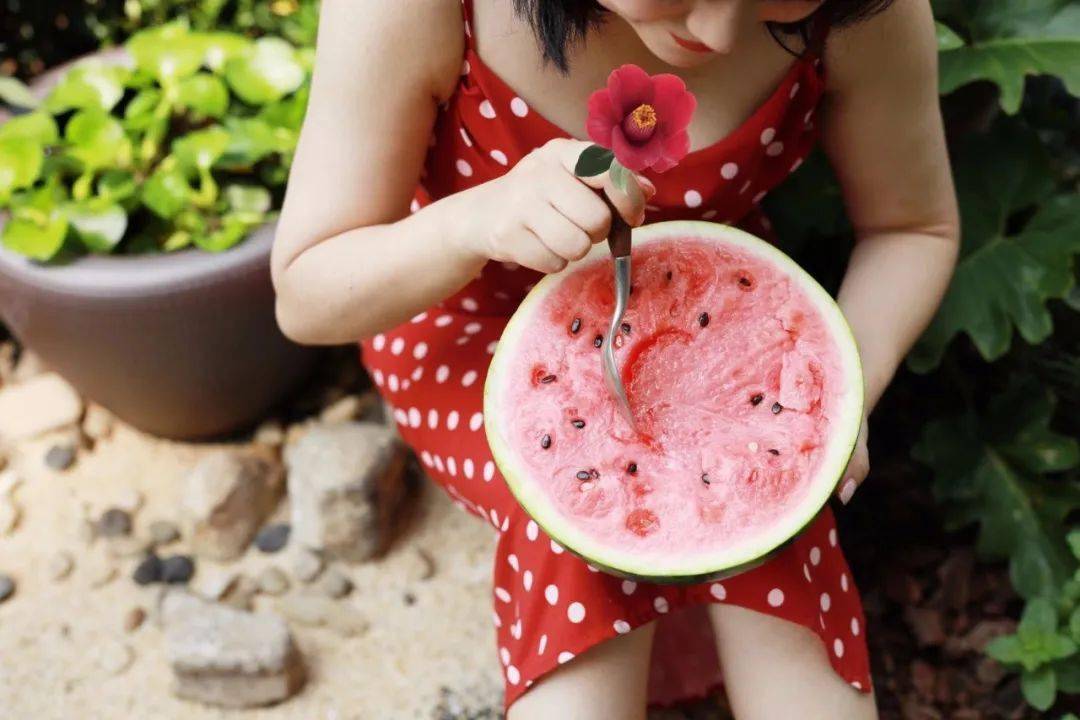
(539, 214)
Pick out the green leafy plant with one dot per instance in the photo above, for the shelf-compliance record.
(188, 144)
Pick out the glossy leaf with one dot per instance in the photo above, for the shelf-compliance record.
(594, 159)
(1008, 61)
(232, 231)
(116, 185)
(203, 94)
(251, 199)
(97, 140)
(14, 93)
(100, 226)
(220, 47)
(265, 72)
(38, 127)
(142, 111)
(89, 85)
(1039, 687)
(36, 240)
(20, 164)
(947, 39)
(166, 193)
(168, 52)
(202, 148)
(251, 140)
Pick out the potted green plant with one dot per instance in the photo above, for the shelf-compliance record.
(139, 201)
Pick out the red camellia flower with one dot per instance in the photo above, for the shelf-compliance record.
(642, 118)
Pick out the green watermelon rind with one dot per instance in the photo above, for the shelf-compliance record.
(715, 565)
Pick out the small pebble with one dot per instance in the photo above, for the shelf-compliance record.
(134, 618)
(306, 566)
(101, 571)
(130, 500)
(272, 581)
(409, 599)
(241, 593)
(9, 482)
(215, 583)
(114, 522)
(127, 546)
(60, 566)
(148, 571)
(60, 457)
(270, 433)
(272, 538)
(335, 584)
(343, 410)
(86, 532)
(97, 423)
(163, 532)
(114, 658)
(177, 569)
(428, 562)
(9, 516)
(7, 587)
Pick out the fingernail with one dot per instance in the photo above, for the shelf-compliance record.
(847, 491)
(646, 185)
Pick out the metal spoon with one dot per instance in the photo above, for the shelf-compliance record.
(619, 245)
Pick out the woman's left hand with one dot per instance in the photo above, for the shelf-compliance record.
(857, 468)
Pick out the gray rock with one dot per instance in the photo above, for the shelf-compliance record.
(227, 657)
(60, 566)
(177, 569)
(242, 593)
(7, 587)
(37, 405)
(345, 482)
(335, 584)
(60, 457)
(316, 611)
(114, 523)
(163, 532)
(227, 496)
(272, 538)
(306, 565)
(272, 581)
(215, 583)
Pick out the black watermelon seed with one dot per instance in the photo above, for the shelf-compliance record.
(578, 423)
(744, 281)
(598, 341)
(575, 326)
(774, 451)
(668, 276)
(583, 475)
(545, 442)
(626, 328)
(594, 473)
(756, 400)
(547, 379)
(776, 408)
(632, 289)
(703, 319)
(705, 478)
(631, 468)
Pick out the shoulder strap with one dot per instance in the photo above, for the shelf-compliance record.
(466, 16)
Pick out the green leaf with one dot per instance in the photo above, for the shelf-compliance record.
(1039, 687)
(287, 113)
(251, 140)
(1068, 674)
(593, 160)
(97, 140)
(116, 185)
(20, 165)
(142, 111)
(265, 72)
(983, 477)
(947, 39)
(1006, 649)
(232, 231)
(15, 93)
(166, 193)
(36, 126)
(89, 85)
(620, 176)
(36, 240)
(202, 148)
(203, 94)
(100, 226)
(1004, 279)
(252, 199)
(1073, 538)
(221, 46)
(168, 52)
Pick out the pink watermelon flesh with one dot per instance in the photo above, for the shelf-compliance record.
(732, 374)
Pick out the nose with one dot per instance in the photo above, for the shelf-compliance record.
(716, 22)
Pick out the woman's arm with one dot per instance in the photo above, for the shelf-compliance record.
(883, 134)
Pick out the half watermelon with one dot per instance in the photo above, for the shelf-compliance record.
(746, 387)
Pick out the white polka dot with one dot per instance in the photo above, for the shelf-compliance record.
(857, 685)
(438, 463)
(433, 418)
(470, 304)
(774, 149)
(556, 548)
(796, 165)
(402, 417)
(441, 373)
(506, 523)
(854, 626)
(465, 67)
(377, 376)
(826, 602)
(794, 90)
(467, 467)
(414, 417)
(565, 657)
(708, 215)
(489, 471)
(487, 109)
(512, 675)
(502, 594)
(661, 604)
(463, 167)
(451, 466)
(378, 342)
(806, 572)
(729, 170)
(465, 137)
(768, 135)
(420, 350)
(628, 587)
(518, 107)
(838, 647)
(551, 594)
(462, 340)
(494, 517)
(809, 114)
(532, 530)
(815, 556)
(821, 620)
(844, 582)
(490, 349)
(621, 626)
(499, 156)
(417, 373)
(392, 382)
(832, 537)
(414, 205)
(776, 597)
(575, 612)
(717, 591)
(495, 617)
(542, 645)
(472, 328)
(692, 198)
(504, 655)
(452, 419)
(759, 197)
(443, 320)
(477, 420)
(405, 384)
(526, 579)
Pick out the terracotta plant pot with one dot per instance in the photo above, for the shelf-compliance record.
(182, 345)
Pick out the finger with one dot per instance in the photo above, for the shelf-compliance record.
(855, 473)
(558, 233)
(580, 205)
(525, 248)
(629, 203)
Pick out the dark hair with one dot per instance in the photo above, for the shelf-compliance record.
(558, 24)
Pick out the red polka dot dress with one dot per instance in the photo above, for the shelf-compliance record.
(549, 605)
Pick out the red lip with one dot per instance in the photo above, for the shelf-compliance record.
(690, 44)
